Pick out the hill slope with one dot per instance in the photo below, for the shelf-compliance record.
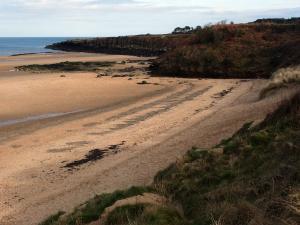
(241, 51)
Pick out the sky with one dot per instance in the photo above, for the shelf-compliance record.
(91, 18)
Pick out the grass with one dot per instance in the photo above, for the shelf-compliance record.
(53, 219)
(280, 78)
(144, 215)
(94, 208)
(125, 214)
(254, 180)
(66, 66)
(287, 75)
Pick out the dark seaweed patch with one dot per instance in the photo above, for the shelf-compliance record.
(94, 155)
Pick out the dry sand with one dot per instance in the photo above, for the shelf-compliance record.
(124, 135)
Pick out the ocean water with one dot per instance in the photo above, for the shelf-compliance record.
(18, 45)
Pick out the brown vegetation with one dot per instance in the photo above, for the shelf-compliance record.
(141, 45)
(224, 50)
(242, 51)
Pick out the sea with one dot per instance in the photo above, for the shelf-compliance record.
(19, 45)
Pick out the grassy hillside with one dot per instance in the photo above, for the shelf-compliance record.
(224, 50)
(251, 178)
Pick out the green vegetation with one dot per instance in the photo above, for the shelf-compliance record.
(251, 178)
(66, 66)
(53, 219)
(92, 209)
(254, 181)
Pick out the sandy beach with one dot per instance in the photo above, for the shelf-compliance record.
(65, 139)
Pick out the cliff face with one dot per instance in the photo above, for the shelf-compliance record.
(241, 51)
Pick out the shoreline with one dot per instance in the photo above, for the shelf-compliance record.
(4, 123)
(11, 132)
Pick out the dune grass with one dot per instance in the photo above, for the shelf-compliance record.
(93, 208)
(281, 78)
(144, 215)
(53, 219)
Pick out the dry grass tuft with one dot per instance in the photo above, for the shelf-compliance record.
(287, 75)
(280, 78)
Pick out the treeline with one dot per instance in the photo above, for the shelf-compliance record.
(189, 30)
(279, 20)
(222, 50)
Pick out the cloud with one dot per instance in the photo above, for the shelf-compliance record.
(32, 4)
(122, 5)
(121, 17)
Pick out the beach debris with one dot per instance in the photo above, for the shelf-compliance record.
(143, 82)
(94, 155)
(91, 156)
(118, 75)
(223, 93)
(62, 75)
(99, 75)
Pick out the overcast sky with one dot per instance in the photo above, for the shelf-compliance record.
(85, 18)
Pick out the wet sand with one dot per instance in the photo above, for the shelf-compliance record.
(25, 94)
(40, 94)
(124, 135)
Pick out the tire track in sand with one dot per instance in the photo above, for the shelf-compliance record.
(121, 121)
